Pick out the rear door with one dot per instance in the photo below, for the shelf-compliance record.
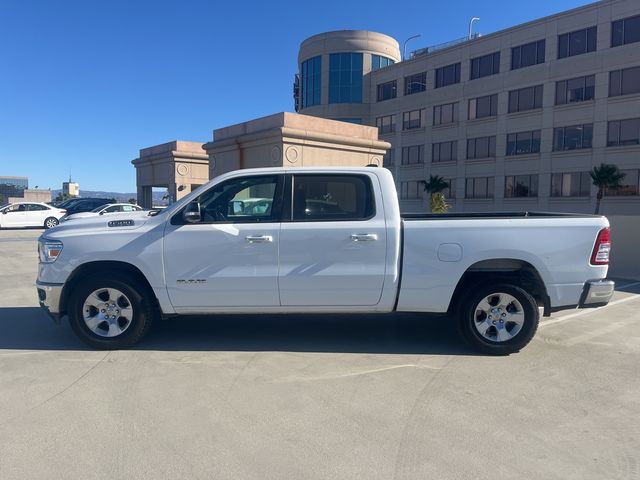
(36, 214)
(332, 241)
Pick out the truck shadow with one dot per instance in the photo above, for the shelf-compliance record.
(28, 328)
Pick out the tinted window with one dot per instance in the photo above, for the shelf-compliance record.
(578, 89)
(481, 147)
(629, 185)
(415, 83)
(527, 54)
(332, 198)
(525, 99)
(240, 200)
(576, 184)
(448, 75)
(483, 107)
(412, 120)
(625, 31)
(447, 113)
(522, 143)
(624, 132)
(386, 124)
(479, 187)
(34, 207)
(412, 155)
(412, 190)
(444, 152)
(521, 186)
(378, 61)
(572, 137)
(485, 65)
(624, 82)
(345, 78)
(311, 76)
(577, 43)
(387, 91)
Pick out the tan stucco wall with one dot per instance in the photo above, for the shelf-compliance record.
(32, 195)
(293, 140)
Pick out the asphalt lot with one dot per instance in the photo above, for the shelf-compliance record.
(295, 397)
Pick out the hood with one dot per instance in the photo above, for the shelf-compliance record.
(108, 223)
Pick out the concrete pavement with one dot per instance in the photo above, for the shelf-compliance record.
(307, 397)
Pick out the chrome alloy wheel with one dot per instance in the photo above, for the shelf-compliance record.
(499, 317)
(107, 312)
(51, 222)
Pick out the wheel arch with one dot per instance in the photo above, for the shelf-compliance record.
(511, 270)
(103, 266)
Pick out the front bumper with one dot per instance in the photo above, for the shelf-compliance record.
(596, 293)
(49, 297)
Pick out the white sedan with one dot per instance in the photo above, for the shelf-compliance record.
(30, 214)
(104, 209)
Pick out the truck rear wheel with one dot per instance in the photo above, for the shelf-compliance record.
(498, 318)
(110, 311)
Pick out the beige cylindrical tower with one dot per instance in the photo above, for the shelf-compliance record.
(333, 68)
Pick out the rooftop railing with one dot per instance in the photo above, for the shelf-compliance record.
(432, 49)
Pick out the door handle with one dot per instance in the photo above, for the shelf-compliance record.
(364, 237)
(259, 239)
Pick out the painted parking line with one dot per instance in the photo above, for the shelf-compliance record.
(587, 311)
(628, 285)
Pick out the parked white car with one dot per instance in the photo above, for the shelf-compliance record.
(104, 209)
(30, 214)
(321, 240)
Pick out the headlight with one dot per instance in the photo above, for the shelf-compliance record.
(48, 250)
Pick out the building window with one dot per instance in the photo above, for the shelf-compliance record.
(447, 113)
(450, 191)
(444, 152)
(412, 120)
(386, 124)
(625, 31)
(389, 160)
(345, 78)
(448, 75)
(579, 89)
(518, 186)
(311, 77)
(485, 66)
(415, 83)
(481, 147)
(483, 107)
(527, 54)
(523, 143)
(525, 99)
(577, 43)
(624, 82)
(629, 185)
(378, 62)
(411, 190)
(575, 184)
(623, 132)
(412, 155)
(573, 137)
(479, 187)
(387, 91)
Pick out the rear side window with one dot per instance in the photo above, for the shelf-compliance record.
(332, 198)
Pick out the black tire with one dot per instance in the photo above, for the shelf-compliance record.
(140, 301)
(51, 222)
(469, 315)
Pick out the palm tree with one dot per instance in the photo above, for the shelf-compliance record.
(435, 186)
(605, 176)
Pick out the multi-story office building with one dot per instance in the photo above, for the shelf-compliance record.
(513, 120)
(12, 187)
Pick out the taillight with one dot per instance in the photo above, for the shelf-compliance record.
(600, 255)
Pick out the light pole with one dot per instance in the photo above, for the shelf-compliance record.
(404, 48)
(474, 19)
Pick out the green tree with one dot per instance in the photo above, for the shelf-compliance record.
(605, 176)
(61, 197)
(132, 200)
(435, 186)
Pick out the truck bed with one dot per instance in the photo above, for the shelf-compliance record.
(488, 215)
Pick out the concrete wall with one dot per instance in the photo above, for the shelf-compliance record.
(33, 195)
(625, 249)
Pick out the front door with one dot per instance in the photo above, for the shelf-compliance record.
(230, 258)
(15, 216)
(333, 246)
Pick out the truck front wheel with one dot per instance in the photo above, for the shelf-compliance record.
(498, 318)
(110, 311)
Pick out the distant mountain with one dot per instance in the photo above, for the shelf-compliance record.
(120, 197)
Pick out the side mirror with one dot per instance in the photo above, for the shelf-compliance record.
(101, 213)
(192, 214)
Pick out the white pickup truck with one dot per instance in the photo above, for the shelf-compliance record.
(322, 240)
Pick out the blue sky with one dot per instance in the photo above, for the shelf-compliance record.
(84, 85)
